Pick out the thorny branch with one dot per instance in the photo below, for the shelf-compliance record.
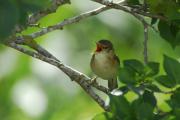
(42, 54)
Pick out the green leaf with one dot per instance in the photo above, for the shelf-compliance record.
(166, 32)
(172, 11)
(34, 5)
(175, 98)
(177, 113)
(163, 117)
(178, 36)
(27, 7)
(153, 88)
(168, 8)
(176, 30)
(15, 12)
(142, 110)
(120, 106)
(154, 21)
(7, 19)
(166, 81)
(172, 68)
(174, 27)
(156, 6)
(148, 97)
(135, 65)
(127, 76)
(154, 68)
(104, 116)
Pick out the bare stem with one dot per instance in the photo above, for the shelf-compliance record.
(145, 43)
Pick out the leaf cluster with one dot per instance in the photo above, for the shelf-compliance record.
(169, 26)
(145, 82)
(16, 12)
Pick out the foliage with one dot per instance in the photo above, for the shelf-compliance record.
(170, 28)
(16, 12)
(145, 107)
(144, 80)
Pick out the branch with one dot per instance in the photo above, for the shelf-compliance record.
(74, 75)
(150, 15)
(38, 15)
(94, 83)
(28, 41)
(68, 21)
(35, 17)
(125, 9)
(82, 16)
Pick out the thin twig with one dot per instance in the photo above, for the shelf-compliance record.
(150, 15)
(38, 15)
(69, 21)
(125, 9)
(145, 52)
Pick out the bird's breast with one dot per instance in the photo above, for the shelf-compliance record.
(103, 65)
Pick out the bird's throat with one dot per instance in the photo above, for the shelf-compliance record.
(98, 49)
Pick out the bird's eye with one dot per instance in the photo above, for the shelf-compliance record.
(105, 47)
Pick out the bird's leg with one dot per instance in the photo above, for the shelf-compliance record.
(95, 84)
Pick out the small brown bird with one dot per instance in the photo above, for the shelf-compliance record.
(105, 63)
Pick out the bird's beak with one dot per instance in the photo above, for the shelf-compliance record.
(98, 47)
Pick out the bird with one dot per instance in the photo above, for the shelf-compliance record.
(105, 63)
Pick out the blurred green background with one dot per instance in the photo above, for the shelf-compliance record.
(33, 90)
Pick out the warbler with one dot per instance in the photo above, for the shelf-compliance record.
(105, 64)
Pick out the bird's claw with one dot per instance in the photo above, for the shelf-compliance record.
(93, 81)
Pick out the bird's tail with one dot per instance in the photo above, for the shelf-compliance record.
(112, 84)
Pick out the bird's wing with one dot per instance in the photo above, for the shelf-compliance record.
(117, 59)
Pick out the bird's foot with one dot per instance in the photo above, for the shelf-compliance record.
(93, 81)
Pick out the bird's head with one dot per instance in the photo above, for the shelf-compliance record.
(104, 45)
